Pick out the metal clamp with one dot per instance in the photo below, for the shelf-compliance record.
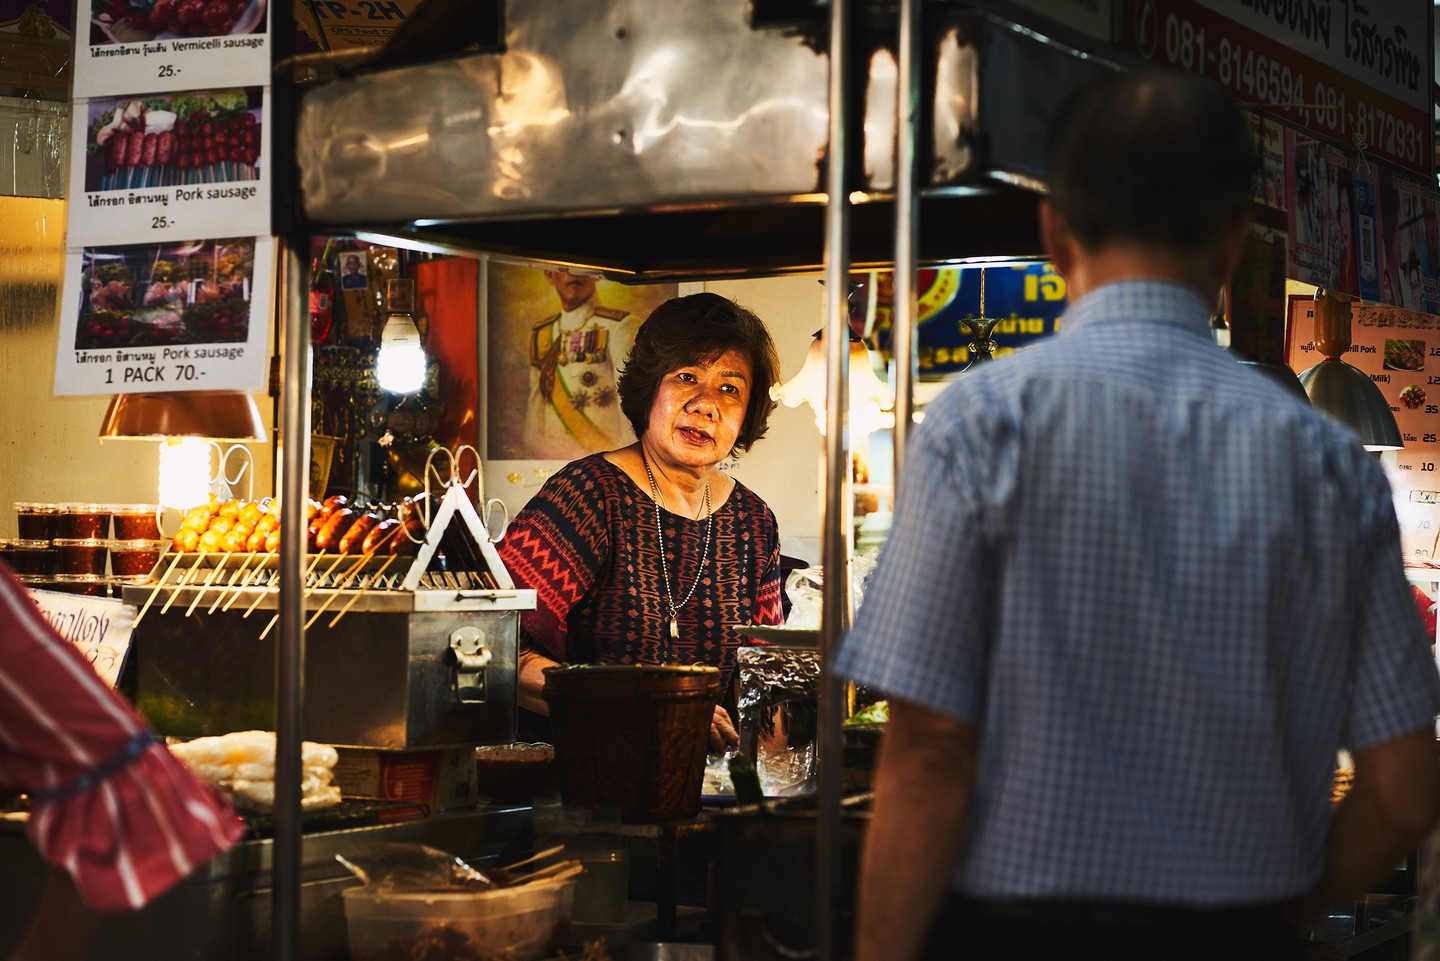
(471, 659)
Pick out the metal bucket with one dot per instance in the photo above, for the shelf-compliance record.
(765, 881)
(632, 736)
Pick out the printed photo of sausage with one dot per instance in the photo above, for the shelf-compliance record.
(170, 140)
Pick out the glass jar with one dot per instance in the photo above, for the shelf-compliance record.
(84, 521)
(134, 557)
(135, 521)
(80, 555)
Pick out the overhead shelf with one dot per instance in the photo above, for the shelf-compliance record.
(687, 143)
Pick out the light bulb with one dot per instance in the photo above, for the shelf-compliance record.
(400, 368)
(184, 472)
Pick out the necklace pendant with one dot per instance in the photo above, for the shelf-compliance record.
(674, 629)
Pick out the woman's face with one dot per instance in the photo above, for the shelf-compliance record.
(696, 416)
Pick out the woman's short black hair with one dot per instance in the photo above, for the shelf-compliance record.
(685, 331)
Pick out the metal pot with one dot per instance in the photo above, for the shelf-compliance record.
(765, 880)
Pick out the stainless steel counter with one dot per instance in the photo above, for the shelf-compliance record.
(223, 911)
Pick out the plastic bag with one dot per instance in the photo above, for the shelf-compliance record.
(390, 866)
(805, 588)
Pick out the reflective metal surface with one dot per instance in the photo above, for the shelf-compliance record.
(593, 106)
(675, 141)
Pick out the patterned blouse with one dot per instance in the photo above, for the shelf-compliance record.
(587, 544)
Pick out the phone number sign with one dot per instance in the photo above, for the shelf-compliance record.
(1265, 72)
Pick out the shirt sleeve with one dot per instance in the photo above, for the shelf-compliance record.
(555, 546)
(111, 805)
(922, 633)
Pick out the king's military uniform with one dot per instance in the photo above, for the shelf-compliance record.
(575, 360)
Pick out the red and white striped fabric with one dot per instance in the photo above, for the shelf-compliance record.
(112, 807)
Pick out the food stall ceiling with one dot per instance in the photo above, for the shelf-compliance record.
(680, 141)
(783, 238)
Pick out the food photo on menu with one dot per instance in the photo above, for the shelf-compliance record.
(197, 292)
(178, 139)
(136, 21)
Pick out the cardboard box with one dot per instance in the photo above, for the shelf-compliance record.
(442, 779)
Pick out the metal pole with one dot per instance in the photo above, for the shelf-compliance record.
(290, 653)
(292, 249)
(902, 324)
(835, 522)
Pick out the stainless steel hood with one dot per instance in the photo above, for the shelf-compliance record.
(678, 140)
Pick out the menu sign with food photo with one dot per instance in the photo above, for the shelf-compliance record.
(148, 45)
(1399, 350)
(186, 315)
(168, 166)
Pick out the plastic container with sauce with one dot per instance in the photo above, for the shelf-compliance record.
(29, 557)
(37, 521)
(135, 522)
(80, 555)
(134, 557)
(87, 521)
(118, 583)
(91, 584)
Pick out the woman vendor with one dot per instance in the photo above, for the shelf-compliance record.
(650, 554)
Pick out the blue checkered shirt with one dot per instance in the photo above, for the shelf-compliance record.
(1164, 590)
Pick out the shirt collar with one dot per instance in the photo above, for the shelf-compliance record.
(578, 316)
(1143, 300)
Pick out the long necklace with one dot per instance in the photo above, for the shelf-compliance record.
(660, 534)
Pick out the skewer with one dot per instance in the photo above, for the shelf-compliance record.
(249, 578)
(219, 566)
(537, 856)
(556, 872)
(344, 582)
(361, 589)
(156, 589)
(328, 571)
(239, 572)
(350, 574)
(256, 603)
(303, 597)
(184, 579)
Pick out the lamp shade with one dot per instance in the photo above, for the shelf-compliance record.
(1281, 374)
(870, 397)
(1351, 397)
(228, 415)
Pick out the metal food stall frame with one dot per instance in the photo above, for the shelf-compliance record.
(947, 179)
(1003, 193)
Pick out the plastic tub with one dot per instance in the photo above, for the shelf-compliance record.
(526, 923)
(37, 521)
(85, 521)
(132, 558)
(91, 584)
(134, 522)
(632, 736)
(515, 772)
(29, 557)
(80, 555)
